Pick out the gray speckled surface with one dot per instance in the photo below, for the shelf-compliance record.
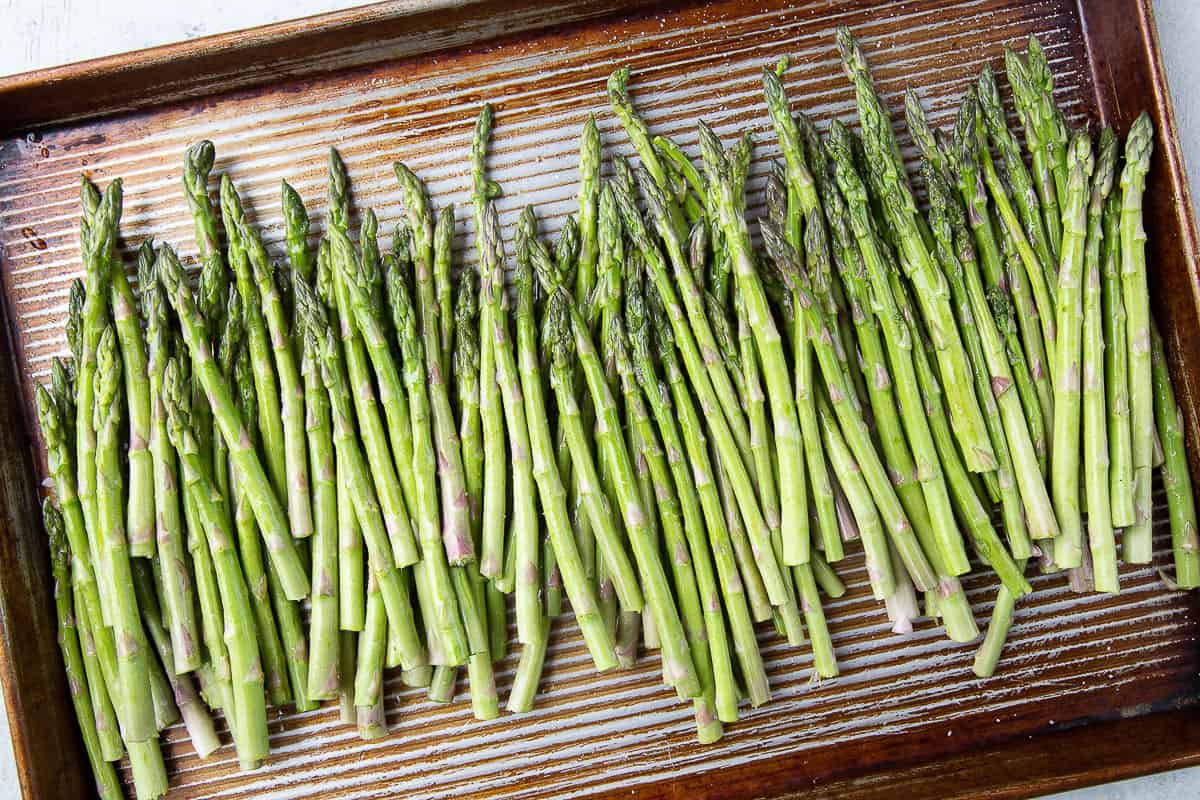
(40, 33)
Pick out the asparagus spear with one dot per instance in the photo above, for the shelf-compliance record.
(732, 588)
(444, 604)
(108, 786)
(250, 720)
(545, 471)
(692, 301)
(291, 386)
(1137, 546)
(456, 528)
(1064, 448)
(1177, 481)
(1049, 119)
(140, 520)
(252, 477)
(1035, 271)
(770, 347)
(1095, 419)
(137, 721)
(702, 379)
(1116, 368)
(1024, 193)
(1023, 493)
(677, 663)
(178, 597)
(261, 588)
(362, 489)
(966, 152)
(270, 414)
(1025, 100)
(899, 340)
(196, 718)
(95, 238)
(929, 284)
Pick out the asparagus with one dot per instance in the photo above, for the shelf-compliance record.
(443, 243)
(270, 414)
(1101, 540)
(443, 612)
(1024, 194)
(137, 720)
(1177, 481)
(361, 488)
(178, 597)
(1016, 445)
(1049, 119)
(929, 284)
(966, 154)
(491, 413)
(1025, 100)
(694, 487)
(701, 378)
(140, 519)
(693, 299)
(1116, 368)
(569, 328)
(1137, 545)
(1064, 447)
(323, 677)
(291, 386)
(368, 676)
(108, 786)
(250, 717)
(1035, 271)
(196, 718)
(456, 527)
(788, 444)
(95, 238)
(252, 478)
(899, 340)
(104, 717)
(261, 588)
(524, 524)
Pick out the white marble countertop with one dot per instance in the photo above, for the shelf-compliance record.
(43, 33)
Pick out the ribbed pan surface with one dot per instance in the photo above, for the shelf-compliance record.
(1070, 658)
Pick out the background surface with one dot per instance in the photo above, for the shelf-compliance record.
(44, 33)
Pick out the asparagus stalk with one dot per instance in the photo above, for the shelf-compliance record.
(137, 721)
(1025, 100)
(140, 519)
(1137, 545)
(495, 475)
(677, 663)
(443, 611)
(261, 588)
(1116, 369)
(266, 386)
(456, 527)
(252, 478)
(95, 238)
(108, 786)
(702, 380)
(780, 393)
(524, 524)
(927, 280)
(362, 489)
(1064, 448)
(1101, 539)
(250, 715)
(291, 386)
(1049, 119)
(351, 581)
(196, 718)
(374, 439)
(1177, 480)
(178, 595)
(324, 615)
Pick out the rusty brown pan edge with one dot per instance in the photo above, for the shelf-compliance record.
(257, 56)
